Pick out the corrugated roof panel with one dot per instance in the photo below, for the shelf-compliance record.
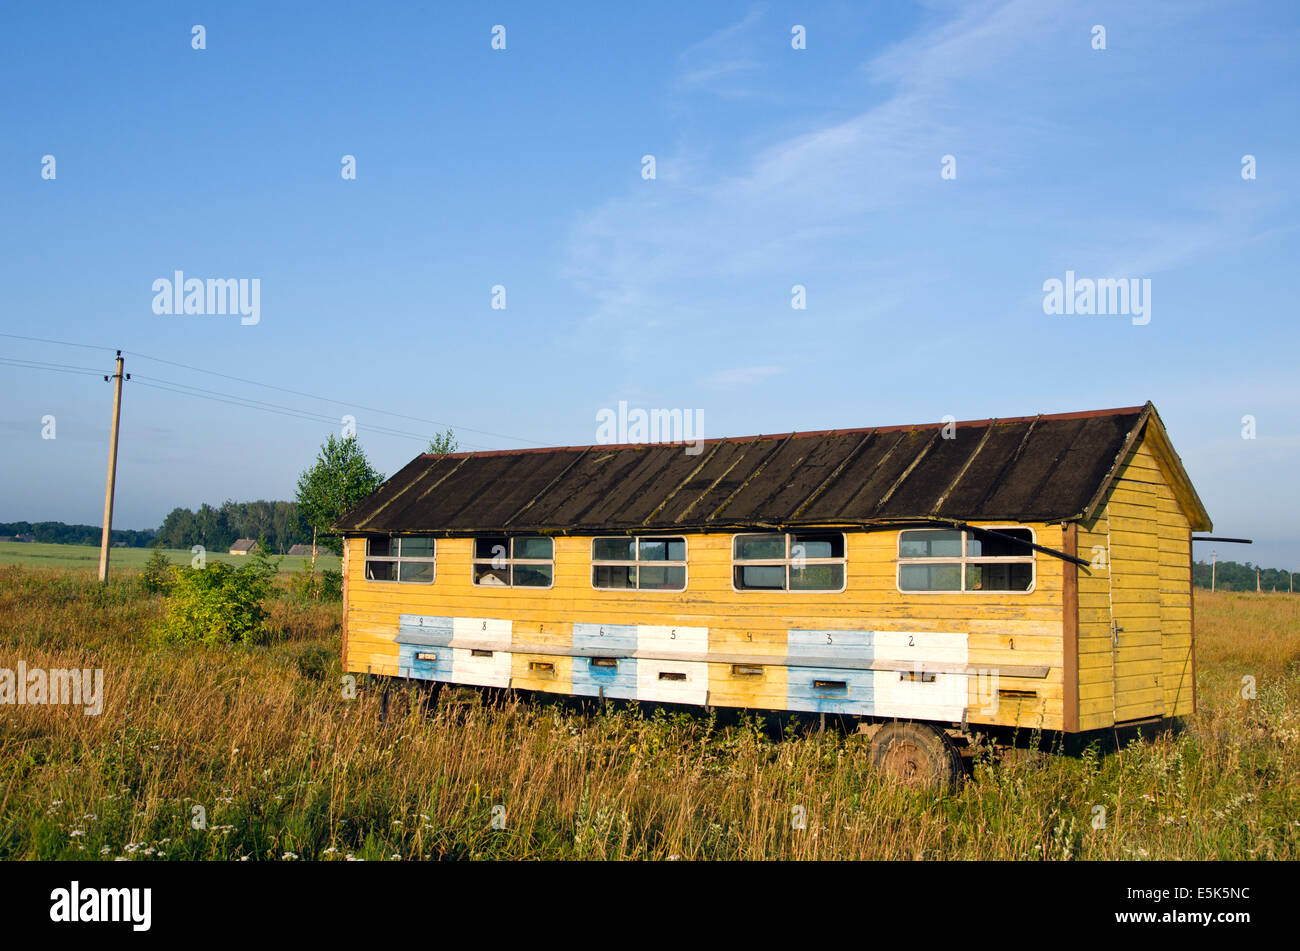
(513, 487)
(790, 475)
(441, 503)
(866, 502)
(600, 473)
(1022, 486)
(750, 466)
(645, 487)
(399, 489)
(834, 499)
(944, 459)
(685, 504)
(821, 457)
(982, 475)
(1030, 469)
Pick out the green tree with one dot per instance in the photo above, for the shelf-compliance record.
(339, 479)
(443, 443)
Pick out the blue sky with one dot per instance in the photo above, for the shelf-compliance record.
(775, 167)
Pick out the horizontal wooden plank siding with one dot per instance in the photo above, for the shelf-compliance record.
(995, 656)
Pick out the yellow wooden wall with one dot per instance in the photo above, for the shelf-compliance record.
(1141, 581)
(1004, 628)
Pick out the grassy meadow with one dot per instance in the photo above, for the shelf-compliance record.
(284, 767)
(40, 555)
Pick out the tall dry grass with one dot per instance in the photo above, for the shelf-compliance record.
(284, 766)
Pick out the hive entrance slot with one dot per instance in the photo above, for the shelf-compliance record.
(830, 685)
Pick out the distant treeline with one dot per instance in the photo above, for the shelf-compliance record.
(1231, 576)
(57, 533)
(216, 529)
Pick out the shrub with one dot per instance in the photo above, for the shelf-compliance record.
(331, 585)
(308, 585)
(157, 576)
(218, 605)
(313, 661)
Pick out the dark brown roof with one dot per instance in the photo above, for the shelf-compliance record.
(1032, 468)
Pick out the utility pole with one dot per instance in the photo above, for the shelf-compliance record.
(1257, 579)
(1214, 564)
(105, 539)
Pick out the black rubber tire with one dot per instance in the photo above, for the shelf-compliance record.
(917, 755)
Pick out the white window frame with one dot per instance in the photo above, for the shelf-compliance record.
(398, 559)
(511, 561)
(963, 560)
(684, 563)
(775, 562)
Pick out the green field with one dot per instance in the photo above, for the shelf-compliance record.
(38, 555)
(267, 745)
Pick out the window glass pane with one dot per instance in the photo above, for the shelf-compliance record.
(416, 571)
(417, 546)
(930, 577)
(380, 546)
(930, 543)
(663, 577)
(817, 578)
(818, 546)
(611, 549)
(764, 577)
(753, 547)
(613, 576)
(990, 546)
(663, 549)
(532, 576)
(532, 546)
(485, 574)
(380, 570)
(1013, 576)
(491, 546)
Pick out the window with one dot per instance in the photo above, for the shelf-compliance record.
(646, 564)
(514, 561)
(408, 559)
(799, 561)
(952, 559)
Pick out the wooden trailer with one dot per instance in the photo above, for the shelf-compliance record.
(998, 574)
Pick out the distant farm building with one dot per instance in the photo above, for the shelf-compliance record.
(300, 549)
(1006, 574)
(243, 546)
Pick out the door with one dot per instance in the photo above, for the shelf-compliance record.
(1135, 610)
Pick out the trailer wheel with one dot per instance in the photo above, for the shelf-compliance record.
(916, 755)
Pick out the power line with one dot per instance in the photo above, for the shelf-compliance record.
(60, 367)
(62, 343)
(232, 400)
(271, 386)
(184, 389)
(326, 399)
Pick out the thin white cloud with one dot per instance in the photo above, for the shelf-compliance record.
(797, 199)
(723, 62)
